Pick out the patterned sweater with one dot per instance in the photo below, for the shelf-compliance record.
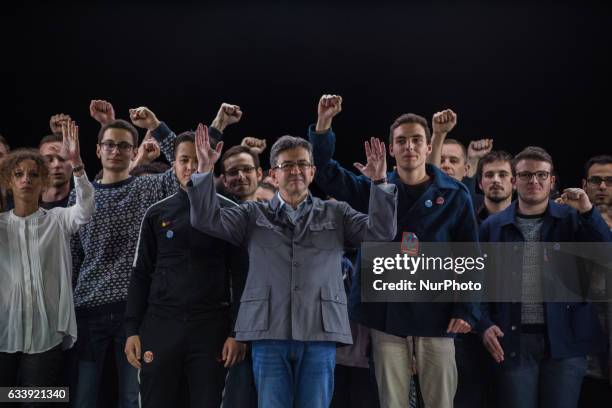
(103, 250)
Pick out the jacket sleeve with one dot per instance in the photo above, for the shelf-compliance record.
(239, 267)
(465, 230)
(166, 137)
(140, 278)
(485, 307)
(229, 224)
(332, 178)
(381, 222)
(591, 227)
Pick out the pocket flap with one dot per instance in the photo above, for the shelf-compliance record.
(333, 295)
(265, 223)
(331, 225)
(251, 294)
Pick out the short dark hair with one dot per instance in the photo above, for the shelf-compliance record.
(492, 157)
(288, 142)
(5, 143)
(17, 156)
(532, 153)
(601, 159)
(410, 118)
(119, 124)
(185, 137)
(236, 150)
(451, 141)
(53, 138)
(149, 168)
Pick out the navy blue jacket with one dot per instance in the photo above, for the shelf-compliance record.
(572, 327)
(451, 220)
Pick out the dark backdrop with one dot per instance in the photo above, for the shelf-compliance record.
(519, 72)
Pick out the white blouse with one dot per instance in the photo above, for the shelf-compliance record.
(36, 307)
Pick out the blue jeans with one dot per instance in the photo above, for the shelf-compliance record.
(95, 335)
(290, 373)
(539, 381)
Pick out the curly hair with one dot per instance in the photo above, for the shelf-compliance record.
(8, 164)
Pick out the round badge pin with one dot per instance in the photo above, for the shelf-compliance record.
(169, 234)
(148, 356)
(440, 200)
(428, 203)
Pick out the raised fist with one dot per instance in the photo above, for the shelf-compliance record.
(228, 114)
(56, 121)
(144, 118)
(329, 106)
(576, 198)
(444, 121)
(479, 148)
(102, 111)
(257, 146)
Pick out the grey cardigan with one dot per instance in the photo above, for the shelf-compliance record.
(294, 288)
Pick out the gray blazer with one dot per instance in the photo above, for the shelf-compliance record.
(294, 288)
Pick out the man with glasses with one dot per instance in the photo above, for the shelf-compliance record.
(241, 173)
(598, 186)
(104, 249)
(541, 346)
(293, 310)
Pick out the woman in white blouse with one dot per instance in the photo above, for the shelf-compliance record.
(37, 318)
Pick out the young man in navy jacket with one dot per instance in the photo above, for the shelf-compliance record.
(541, 347)
(432, 207)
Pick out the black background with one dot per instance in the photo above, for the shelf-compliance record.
(522, 73)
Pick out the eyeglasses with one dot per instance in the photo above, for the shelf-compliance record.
(527, 175)
(234, 172)
(110, 146)
(595, 181)
(289, 165)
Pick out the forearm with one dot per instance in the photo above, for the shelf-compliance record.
(166, 137)
(437, 140)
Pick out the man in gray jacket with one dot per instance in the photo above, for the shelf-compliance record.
(293, 308)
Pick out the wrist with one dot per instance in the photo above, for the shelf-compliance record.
(439, 135)
(323, 125)
(586, 209)
(218, 124)
(380, 180)
(154, 125)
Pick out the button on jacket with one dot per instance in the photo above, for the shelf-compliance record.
(294, 288)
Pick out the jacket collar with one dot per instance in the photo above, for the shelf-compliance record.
(508, 216)
(438, 178)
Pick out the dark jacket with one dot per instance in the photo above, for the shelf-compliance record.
(572, 327)
(180, 272)
(444, 213)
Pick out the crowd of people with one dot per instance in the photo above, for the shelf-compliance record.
(214, 282)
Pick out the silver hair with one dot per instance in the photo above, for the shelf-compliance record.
(288, 142)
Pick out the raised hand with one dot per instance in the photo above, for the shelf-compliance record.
(443, 122)
(257, 146)
(70, 143)
(148, 152)
(102, 111)
(328, 107)
(576, 198)
(55, 123)
(376, 155)
(207, 156)
(228, 114)
(491, 342)
(144, 118)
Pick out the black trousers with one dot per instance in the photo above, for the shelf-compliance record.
(354, 387)
(31, 370)
(173, 349)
